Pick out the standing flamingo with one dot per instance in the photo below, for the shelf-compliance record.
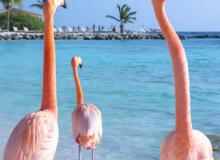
(184, 143)
(86, 118)
(35, 137)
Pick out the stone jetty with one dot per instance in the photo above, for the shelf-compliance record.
(99, 36)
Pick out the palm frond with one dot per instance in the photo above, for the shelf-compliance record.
(129, 21)
(112, 17)
(119, 8)
(124, 6)
(37, 6)
(131, 18)
(127, 10)
(132, 13)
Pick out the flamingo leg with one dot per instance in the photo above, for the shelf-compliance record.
(79, 152)
(93, 154)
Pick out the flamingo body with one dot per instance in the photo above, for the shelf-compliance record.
(34, 138)
(175, 147)
(87, 125)
(86, 118)
(184, 143)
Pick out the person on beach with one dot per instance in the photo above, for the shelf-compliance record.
(184, 143)
(35, 137)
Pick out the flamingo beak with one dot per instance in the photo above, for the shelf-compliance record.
(80, 65)
(64, 5)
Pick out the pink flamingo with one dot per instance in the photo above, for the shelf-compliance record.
(86, 118)
(35, 137)
(184, 143)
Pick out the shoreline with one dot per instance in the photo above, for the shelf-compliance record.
(105, 36)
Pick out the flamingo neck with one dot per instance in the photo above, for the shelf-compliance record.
(79, 92)
(49, 98)
(181, 75)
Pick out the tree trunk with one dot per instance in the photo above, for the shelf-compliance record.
(8, 17)
(122, 28)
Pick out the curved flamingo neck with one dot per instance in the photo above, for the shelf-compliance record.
(181, 75)
(49, 98)
(79, 92)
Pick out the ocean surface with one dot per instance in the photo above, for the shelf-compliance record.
(130, 81)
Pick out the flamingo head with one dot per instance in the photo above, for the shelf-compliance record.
(61, 3)
(57, 3)
(87, 125)
(76, 61)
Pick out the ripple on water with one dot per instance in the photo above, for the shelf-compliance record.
(130, 81)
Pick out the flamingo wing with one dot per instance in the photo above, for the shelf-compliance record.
(34, 138)
(86, 120)
(87, 125)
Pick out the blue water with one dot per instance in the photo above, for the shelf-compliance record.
(130, 81)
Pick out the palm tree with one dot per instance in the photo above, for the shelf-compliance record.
(125, 16)
(38, 5)
(8, 4)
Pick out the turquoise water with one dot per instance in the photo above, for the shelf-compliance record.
(130, 81)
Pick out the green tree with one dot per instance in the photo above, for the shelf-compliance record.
(8, 4)
(20, 19)
(38, 5)
(125, 16)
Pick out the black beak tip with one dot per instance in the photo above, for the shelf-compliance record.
(81, 65)
(64, 5)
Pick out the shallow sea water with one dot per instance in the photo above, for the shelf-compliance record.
(130, 81)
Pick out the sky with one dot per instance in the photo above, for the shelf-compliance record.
(185, 15)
